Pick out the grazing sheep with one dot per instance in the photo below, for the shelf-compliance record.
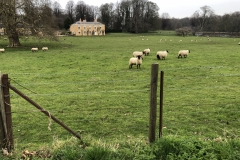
(2, 50)
(162, 54)
(34, 49)
(135, 61)
(44, 48)
(183, 53)
(137, 53)
(147, 51)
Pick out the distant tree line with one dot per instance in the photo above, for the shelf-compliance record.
(137, 16)
(42, 17)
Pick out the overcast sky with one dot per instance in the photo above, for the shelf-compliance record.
(176, 8)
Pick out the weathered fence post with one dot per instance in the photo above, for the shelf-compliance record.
(6, 114)
(153, 102)
(3, 125)
(161, 105)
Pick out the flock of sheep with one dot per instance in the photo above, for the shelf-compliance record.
(36, 49)
(33, 49)
(138, 56)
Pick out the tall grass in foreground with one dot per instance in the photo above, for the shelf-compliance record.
(166, 148)
(86, 83)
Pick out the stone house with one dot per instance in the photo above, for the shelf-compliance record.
(84, 28)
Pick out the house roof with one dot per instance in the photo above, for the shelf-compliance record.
(94, 23)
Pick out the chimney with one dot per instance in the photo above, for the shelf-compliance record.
(84, 19)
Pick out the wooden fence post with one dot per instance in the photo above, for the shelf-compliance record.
(3, 125)
(8, 141)
(153, 102)
(161, 105)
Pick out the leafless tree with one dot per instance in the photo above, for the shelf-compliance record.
(203, 16)
(24, 17)
(70, 10)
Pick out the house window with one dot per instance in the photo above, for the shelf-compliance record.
(95, 27)
(79, 27)
(84, 27)
(79, 32)
(85, 32)
(90, 32)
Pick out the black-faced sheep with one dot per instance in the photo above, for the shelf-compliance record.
(147, 51)
(137, 53)
(183, 53)
(162, 54)
(135, 61)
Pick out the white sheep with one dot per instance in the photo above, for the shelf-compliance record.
(44, 48)
(147, 51)
(239, 43)
(34, 49)
(183, 53)
(137, 53)
(135, 61)
(162, 54)
(2, 50)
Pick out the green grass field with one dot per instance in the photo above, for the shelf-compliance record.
(85, 82)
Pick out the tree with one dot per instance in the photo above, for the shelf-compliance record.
(166, 21)
(203, 17)
(70, 10)
(125, 9)
(21, 17)
(58, 15)
(139, 15)
(67, 23)
(85, 12)
(106, 15)
(151, 17)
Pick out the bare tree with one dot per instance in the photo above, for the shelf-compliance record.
(70, 10)
(203, 16)
(85, 11)
(23, 17)
(106, 15)
(166, 21)
(58, 15)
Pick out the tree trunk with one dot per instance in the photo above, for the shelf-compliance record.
(13, 37)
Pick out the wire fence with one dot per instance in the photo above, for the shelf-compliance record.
(94, 107)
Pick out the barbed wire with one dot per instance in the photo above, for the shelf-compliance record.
(169, 110)
(124, 72)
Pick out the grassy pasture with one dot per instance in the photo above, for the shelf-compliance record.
(85, 82)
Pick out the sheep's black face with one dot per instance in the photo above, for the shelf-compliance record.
(139, 57)
(167, 51)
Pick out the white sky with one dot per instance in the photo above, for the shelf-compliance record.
(176, 8)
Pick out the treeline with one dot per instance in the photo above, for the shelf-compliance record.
(138, 16)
